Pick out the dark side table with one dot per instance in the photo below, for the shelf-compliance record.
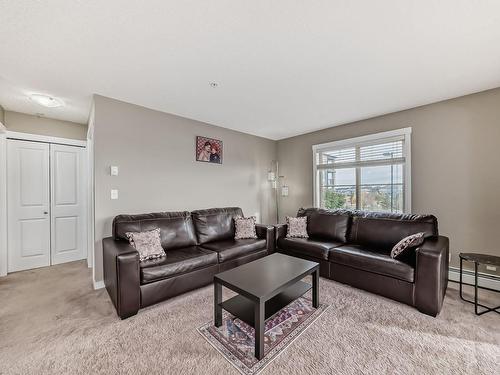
(478, 259)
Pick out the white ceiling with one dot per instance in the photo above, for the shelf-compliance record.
(284, 67)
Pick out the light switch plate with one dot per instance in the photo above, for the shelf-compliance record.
(114, 170)
(114, 194)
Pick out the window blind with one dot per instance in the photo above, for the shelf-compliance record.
(383, 152)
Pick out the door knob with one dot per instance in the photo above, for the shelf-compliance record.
(45, 212)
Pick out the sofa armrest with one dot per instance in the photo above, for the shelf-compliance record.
(121, 276)
(267, 232)
(281, 230)
(431, 274)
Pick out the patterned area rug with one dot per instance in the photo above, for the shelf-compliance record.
(235, 339)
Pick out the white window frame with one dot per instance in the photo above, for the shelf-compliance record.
(404, 132)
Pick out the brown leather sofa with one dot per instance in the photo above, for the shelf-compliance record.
(353, 248)
(198, 245)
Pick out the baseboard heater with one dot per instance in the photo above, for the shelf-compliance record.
(484, 280)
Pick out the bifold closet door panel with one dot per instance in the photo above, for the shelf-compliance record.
(28, 205)
(68, 233)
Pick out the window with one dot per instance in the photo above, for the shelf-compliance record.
(367, 173)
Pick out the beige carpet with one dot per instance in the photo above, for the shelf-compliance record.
(52, 322)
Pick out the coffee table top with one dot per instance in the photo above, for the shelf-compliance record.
(481, 258)
(265, 277)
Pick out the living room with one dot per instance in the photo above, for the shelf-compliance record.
(265, 187)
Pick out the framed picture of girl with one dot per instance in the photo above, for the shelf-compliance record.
(208, 150)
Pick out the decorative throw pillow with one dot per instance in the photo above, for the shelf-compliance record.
(296, 227)
(245, 227)
(407, 243)
(148, 244)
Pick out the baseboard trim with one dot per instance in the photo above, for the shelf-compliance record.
(484, 280)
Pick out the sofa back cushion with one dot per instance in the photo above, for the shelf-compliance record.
(215, 224)
(176, 228)
(330, 225)
(381, 231)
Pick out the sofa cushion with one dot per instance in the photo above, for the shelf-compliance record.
(177, 262)
(316, 248)
(176, 228)
(368, 260)
(327, 224)
(407, 244)
(147, 244)
(244, 227)
(296, 227)
(215, 224)
(384, 230)
(231, 248)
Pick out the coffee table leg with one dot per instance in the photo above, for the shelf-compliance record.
(260, 320)
(217, 302)
(475, 288)
(315, 288)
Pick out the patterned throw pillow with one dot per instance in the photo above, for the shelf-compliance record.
(148, 244)
(245, 227)
(296, 227)
(407, 243)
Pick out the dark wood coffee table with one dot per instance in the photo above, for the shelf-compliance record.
(265, 286)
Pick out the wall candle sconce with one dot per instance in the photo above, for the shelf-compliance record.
(284, 191)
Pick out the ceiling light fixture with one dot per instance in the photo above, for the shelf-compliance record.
(214, 85)
(46, 101)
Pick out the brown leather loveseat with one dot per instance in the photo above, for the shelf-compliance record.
(198, 245)
(353, 248)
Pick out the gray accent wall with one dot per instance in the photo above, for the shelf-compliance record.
(455, 158)
(24, 123)
(455, 166)
(155, 153)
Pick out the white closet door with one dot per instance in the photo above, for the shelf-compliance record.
(28, 205)
(68, 195)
